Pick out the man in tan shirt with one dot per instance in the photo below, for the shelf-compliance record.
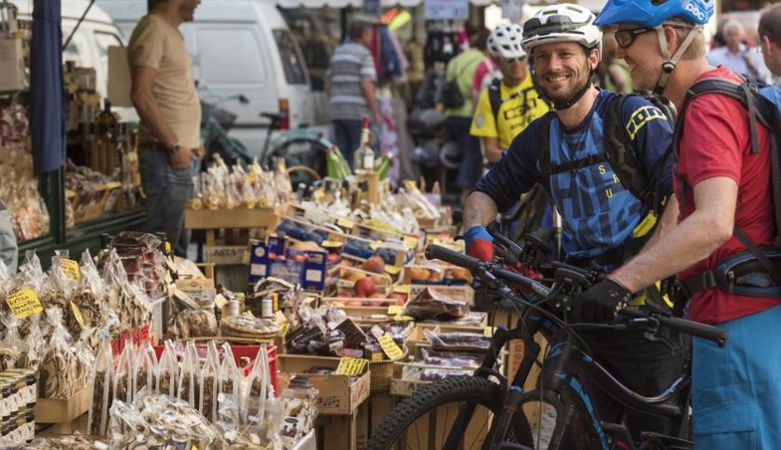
(164, 95)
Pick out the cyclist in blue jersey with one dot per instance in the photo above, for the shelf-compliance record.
(603, 221)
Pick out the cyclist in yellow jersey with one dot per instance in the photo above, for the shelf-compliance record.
(516, 102)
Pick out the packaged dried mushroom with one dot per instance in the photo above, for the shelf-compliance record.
(12, 344)
(102, 390)
(189, 376)
(259, 390)
(125, 374)
(230, 386)
(168, 371)
(146, 370)
(59, 367)
(210, 383)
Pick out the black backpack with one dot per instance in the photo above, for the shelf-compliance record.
(763, 104)
(618, 152)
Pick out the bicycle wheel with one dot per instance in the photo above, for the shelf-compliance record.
(302, 152)
(425, 420)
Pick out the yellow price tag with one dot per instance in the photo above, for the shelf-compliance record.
(390, 348)
(345, 223)
(489, 331)
(285, 327)
(402, 288)
(77, 315)
(378, 357)
(167, 247)
(411, 242)
(351, 367)
(375, 245)
(394, 310)
(71, 269)
(392, 270)
(403, 318)
(24, 303)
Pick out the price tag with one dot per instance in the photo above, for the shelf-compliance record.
(402, 318)
(167, 247)
(24, 303)
(351, 367)
(77, 315)
(378, 357)
(411, 242)
(375, 245)
(71, 269)
(489, 331)
(345, 223)
(392, 270)
(394, 310)
(402, 288)
(220, 301)
(390, 348)
(285, 327)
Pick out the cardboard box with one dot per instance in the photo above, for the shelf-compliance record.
(77, 425)
(12, 76)
(119, 79)
(405, 388)
(226, 255)
(337, 432)
(305, 267)
(338, 393)
(463, 293)
(62, 411)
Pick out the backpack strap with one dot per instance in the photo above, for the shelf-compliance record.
(544, 155)
(495, 98)
(759, 110)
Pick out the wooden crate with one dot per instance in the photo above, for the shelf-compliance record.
(338, 432)
(338, 393)
(211, 219)
(62, 411)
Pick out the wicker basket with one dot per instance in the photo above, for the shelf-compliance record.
(381, 373)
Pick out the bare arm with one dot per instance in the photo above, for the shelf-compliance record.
(368, 91)
(148, 110)
(692, 240)
(493, 152)
(479, 209)
(667, 222)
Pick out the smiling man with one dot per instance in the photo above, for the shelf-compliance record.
(566, 151)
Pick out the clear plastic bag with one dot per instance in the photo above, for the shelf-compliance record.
(209, 385)
(259, 390)
(189, 376)
(12, 345)
(168, 371)
(230, 386)
(457, 341)
(125, 374)
(146, 370)
(102, 391)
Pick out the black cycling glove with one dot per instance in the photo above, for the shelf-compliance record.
(600, 302)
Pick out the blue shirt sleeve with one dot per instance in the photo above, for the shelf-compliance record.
(516, 172)
(651, 135)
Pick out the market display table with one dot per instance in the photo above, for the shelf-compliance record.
(212, 220)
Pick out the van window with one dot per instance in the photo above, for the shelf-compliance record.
(292, 60)
(242, 64)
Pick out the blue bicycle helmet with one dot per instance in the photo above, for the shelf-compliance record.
(652, 13)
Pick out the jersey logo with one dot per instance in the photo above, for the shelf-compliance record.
(642, 116)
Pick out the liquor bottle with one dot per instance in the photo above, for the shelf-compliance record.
(382, 165)
(363, 158)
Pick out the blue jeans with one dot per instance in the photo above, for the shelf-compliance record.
(167, 190)
(471, 159)
(347, 136)
(736, 390)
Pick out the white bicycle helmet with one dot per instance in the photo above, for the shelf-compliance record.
(565, 22)
(505, 42)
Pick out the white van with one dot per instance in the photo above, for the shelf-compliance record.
(240, 47)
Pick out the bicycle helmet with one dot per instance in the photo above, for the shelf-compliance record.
(562, 23)
(652, 13)
(505, 42)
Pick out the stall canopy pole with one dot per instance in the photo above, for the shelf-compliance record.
(47, 107)
(78, 24)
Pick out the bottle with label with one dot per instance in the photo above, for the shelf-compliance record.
(363, 159)
(336, 164)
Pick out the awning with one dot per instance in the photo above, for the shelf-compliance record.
(47, 121)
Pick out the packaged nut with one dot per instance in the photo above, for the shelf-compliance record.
(167, 371)
(189, 376)
(102, 390)
(209, 385)
(146, 369)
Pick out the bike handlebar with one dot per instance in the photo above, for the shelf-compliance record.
(474, 265)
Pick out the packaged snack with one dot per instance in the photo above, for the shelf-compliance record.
(168, 371)
(189, 376)
(230, 387)
(102, 390)
(125, 374)
(12, 346)
(146, 370)
(209, 383)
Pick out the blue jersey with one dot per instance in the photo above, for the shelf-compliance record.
(599, 213)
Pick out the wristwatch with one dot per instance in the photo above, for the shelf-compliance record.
(175, 148)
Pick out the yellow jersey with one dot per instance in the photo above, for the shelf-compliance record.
(520, 106)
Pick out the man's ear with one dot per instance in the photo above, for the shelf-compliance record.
(672, 40)
(767, 45)
(594, 56)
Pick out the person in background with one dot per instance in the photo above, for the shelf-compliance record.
(770, 39)
(486, 70)
(349, 85)
(461, 71)
(516, 100)
(736, 55)
(614, 74)
(163, 93)
(9, 251)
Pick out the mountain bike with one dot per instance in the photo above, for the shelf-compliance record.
(490, 408)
